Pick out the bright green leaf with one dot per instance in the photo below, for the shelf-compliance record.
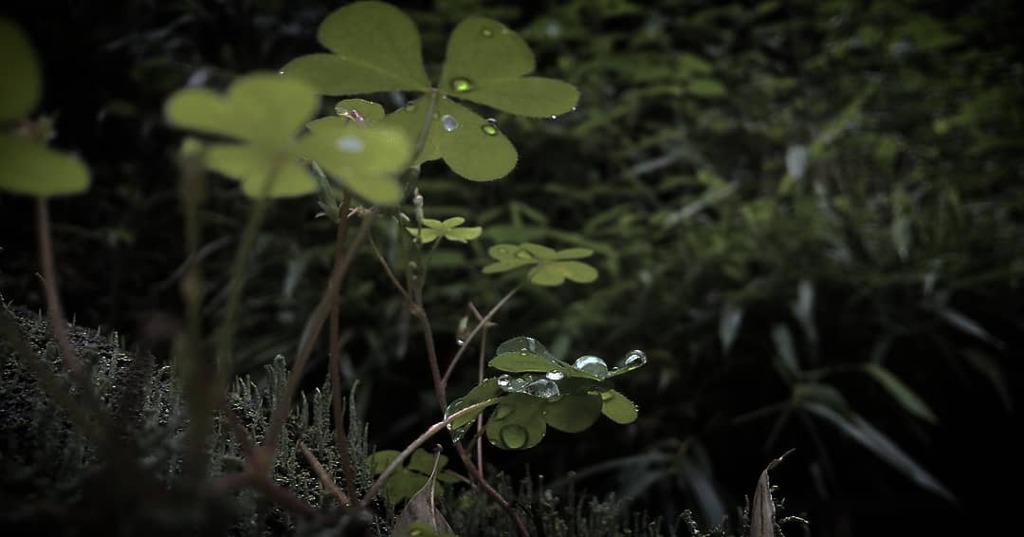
(261, 108)
(618, 407)
(22, 83)
(365, 158)
(32, 169)
(573, 413)
(375, 47)
(555, 273)
(523, 362)
(486, 63)
(255, 166)
(449, 229)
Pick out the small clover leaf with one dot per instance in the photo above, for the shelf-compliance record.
(449, 229)
(27, 166)
(264, 113)
(540, 391)
(411, 477)
(550, 267)
(375, 47)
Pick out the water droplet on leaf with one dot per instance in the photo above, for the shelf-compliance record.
(487, 32)
(461, 85)
(592, 365)
(504, 381)
(514, 436)
(635, 359)
(489, 130)
(607, 396)
(555, 375)
(543, 388)
(448, 123)
(523, 254)
(349, 144)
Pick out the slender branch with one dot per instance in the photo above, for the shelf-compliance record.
(316, 322)
(476, 329)
(387, 270)
(53, 306)
(371, 493)
(334, 358)
(325, 480)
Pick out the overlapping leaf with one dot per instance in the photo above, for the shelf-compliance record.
(548, 266)
(27, 165)
(376, 47)
(411, 477)
(540, 391)
(264, 115)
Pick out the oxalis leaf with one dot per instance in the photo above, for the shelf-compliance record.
(545, 392)
(449, 229)
(549, 267)
(27, 166)
(264, 113)
(412, 476)
(375, 48)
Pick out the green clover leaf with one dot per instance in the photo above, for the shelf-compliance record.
(549, 267)
(264, 114)
(449, 229)
(375, 47)
(27, 166)
(543, 391)
(411, 477)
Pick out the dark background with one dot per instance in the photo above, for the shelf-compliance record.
(904, 235)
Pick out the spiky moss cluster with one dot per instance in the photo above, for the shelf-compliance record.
(56, 480)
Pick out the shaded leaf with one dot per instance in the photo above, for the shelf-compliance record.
(32, 169)
(858, 429)
(449, 229)
(22, 84)
(517, 422)
(730, 319)
(901, 392)
(573, 413)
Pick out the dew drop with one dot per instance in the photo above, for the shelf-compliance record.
(460, 342)
(487, 32)
(411, 107)
(514, 436)
(523, 254)
(505, 381)
(554, 117)
(340, 110)
(607, 396)
(448, 123)
(349, 144)
(634, 359)
(592, 365)
(555, 374)
(489, 130)
(543, 388)
(461, 85)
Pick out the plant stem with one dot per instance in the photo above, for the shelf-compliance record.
(371, 493)
(478, 476)
(476, 329)
(334, 358)
(53, 307)
(325, 479)
(313, 327)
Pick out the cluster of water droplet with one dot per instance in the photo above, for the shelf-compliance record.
(544, 387)
(597, 367)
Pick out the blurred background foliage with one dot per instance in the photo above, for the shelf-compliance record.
(807, 213)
